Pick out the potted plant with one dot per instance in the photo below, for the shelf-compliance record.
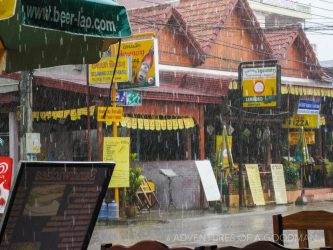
(291, 173)
(134, 183)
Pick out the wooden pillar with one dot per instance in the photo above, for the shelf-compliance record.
(202, 149)
(202, 133)
(319, 144)
(99, 138)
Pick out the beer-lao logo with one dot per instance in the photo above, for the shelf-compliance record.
(3, 168)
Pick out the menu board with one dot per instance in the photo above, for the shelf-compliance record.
(252, 171)
(117, 149)
(279, 184)
(54, 205)
(208, 180)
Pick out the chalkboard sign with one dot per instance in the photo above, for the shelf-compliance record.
(54, 205)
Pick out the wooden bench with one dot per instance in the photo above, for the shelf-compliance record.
(302, 222)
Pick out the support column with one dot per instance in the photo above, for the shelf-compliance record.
(25, 110)
(99, 137)
(13, 140)
(202, 150)
(202, 133)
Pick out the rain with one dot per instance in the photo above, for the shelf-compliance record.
(189, 122)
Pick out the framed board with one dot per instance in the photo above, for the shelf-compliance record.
(54, 205)
(208, 180)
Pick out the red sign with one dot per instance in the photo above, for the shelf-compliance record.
(6, 164)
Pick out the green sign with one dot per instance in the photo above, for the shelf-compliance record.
(128, 98)
(95, 18)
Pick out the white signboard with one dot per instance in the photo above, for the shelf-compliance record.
(33, 143)
(252, 171)
(279, 184)
(208, 180)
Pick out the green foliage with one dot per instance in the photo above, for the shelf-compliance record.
(134, 181)
(328, 167)
(213, 162)
(291, 172)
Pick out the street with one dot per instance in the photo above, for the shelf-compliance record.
(195, 228)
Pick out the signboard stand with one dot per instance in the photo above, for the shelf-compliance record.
(169, 173)
(54, 205)
(260, 83)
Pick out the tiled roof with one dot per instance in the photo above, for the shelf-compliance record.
(200, 20)
(151, 19)
(281, 40)
(205, 18)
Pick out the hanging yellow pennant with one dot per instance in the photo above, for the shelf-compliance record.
(67, 113)
(158, 124)
(134, 123)
(73, 115)
(180, 124)
(35, 116)
(140, 123)
(163, 124)
(174, 124)
(123, 122)
(128, 122)
(146, 124)
(169, 124)
(152, 124)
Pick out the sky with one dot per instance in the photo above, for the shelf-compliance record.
(322, 16)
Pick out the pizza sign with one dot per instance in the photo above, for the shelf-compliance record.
(6, 164)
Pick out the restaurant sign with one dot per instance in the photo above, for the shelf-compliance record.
(144, 54)
(309, 135)
(109, 114)
(102, 72)
(260, 87)
(305, 121)
(94, 18)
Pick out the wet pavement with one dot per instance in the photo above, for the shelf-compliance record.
(204, 227)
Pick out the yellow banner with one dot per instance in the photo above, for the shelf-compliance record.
(101, 72)
(295, 136)
(305, 121)
(219, 141)
(117, 149)
(7, 8)
(110, 114)
(259, 87)
(253, 176)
